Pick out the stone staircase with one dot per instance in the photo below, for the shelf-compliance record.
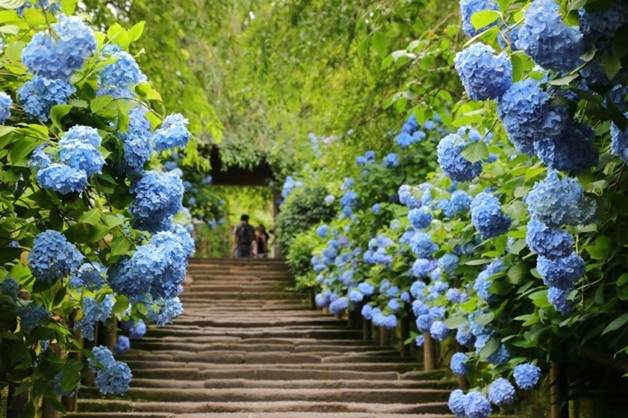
(247, 347)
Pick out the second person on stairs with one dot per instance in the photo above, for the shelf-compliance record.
(244, 238)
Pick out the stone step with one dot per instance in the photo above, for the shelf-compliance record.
(243, 295)
(293, 384)
(250, 415)
(297, 332)
(102, 405)
(196, 320)
(155, 345)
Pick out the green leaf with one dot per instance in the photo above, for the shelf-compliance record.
(491, 346)
(35, 17)
(104, 106)
(10, 29)
(57, 113)
(483, 18)
(136, 31)
(539, 299)
(476, 151)
(91, 217)
(22, 149)
(456, 322)
(616, 324)
(120, 246)
(563, 81)
(68, 6)
(600, 248)
(11, 4)
(517, 273)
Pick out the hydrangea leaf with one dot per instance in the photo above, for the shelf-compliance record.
(483, 18)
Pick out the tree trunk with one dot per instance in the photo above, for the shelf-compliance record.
(429, 352)
(558, 392)
(404, 349)
(367, 330)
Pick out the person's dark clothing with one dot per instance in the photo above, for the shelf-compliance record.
(262, 244)
(245, 235)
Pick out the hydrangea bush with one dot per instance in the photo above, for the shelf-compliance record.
(498, 224)
(94, 230)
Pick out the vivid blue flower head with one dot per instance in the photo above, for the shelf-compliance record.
(367, 312)
(165, 311)
(39, 158)
(112, 377)
(172, 133)
(31, 316)
(448, 263)
(391, 160)
(5, 106)
(487, 216)
(53, 257)
(619, 141)
(449, 154)
(572, 150)
(422, 267)
(62, 179)
(559, 298)
(527, 375)
(476, 405)
(137, 141)
(38, 95)
(376, 208)
(547, 39)
(366, 288)
(157, 197)
(501, 392)
(424, 322)
(458, 364)
(500, 356)
(123, 344)
(422, 245)
(420, 217)
(322, 231)
(527, 115)
(548, 242)
(355, 296)
(483, 74)
(57, 55)
(455, 295)
(78, 148)
(122, 74)
(464, 337)
(90, 275)
(136, 329)
(184, 238)
(556, 202)
(406, 197)
(93, 312)
(468, 8)
(561, 272)
(457, 401)
(459, 202)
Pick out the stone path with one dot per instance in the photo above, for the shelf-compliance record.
(246, 347)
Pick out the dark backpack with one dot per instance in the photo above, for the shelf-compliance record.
(245, 235)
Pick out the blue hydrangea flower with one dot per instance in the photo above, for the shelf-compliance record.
(500, 356)
(483, 74)
(619, 141)
(9, 287)
(419, 308)
(555, 201)
(57, 55)
(329, 200)
(31, 316)
(476, 405)
(367, 312)
(420, 217)
(501, 392)
(457, 401)
(348, 201)
(572, 150)
(547, 39)
(598, 27)
(455, 295)
(355, 296)
(93, 312)
(468, 8)
(422, 245)
(112, 377)
(136, 329)
(419, 340)
(122, 74)
(39, 95)
(339, 305)
(459, 202)
(78, 148)
(89, 275)
(448, 263)
(559, 298)
(527, 115)
(185, 239)
(5, 106)
(464, 337)
(172, 133)
(366, 288)
(123, 344)
(548, 242)
(450, 159)
(157, 197)
(137, 141)
(39, 158)
(167, 310)
(391, 160)
(289, 185)
(424, 322)
(458, 364)
(561, 272)
(376, 208)
(62, 179)
(487, 216)
(393, 305)
(527, 375)
(322, 231)
(53, 257)
(406, 197)
(422, 267)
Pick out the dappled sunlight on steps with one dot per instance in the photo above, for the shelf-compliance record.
(248, 347)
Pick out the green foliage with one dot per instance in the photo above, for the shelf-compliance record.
(299, 255)
(302, 209)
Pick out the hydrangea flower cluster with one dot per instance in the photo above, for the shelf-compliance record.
(391, 160)
(470, 7)
(122, 75)
(450, 159)
(90, 275)
(53, 257)
(93, 312)
(411, 133)
(172, 133)
(137, 141)
(78, 148)
(482, 284)
(487, 216)
(112, 377)
(31, 316)
(158, 196)
(376, 253)
(135, 329)
(484, 74)
(367, 158)
(5, 106)
(619, 141)
(547, 39)
(39, 95)
(289, 185)
(123, 344)
(527, 375)
(165, 311)
(501, 392)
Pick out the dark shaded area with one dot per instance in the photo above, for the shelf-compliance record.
(260, 175)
